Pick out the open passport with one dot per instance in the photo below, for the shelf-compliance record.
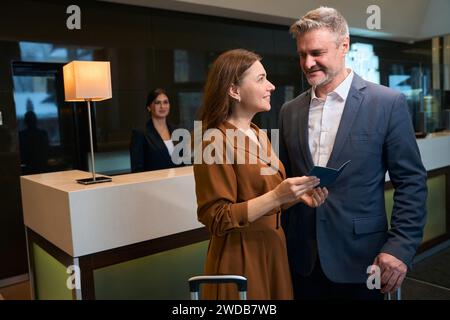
(327, 175)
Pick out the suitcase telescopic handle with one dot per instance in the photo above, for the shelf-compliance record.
(240, 281)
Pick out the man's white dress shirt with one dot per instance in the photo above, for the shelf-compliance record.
(324, 119)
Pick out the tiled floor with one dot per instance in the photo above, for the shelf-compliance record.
(20, 291)
(417, 290)
(435, 269)
(429, 280)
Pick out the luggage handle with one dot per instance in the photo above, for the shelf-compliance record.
(398, 294)
(240, 281)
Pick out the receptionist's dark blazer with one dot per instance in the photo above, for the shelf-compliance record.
(148, 151)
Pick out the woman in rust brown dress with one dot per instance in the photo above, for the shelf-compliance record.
(242, 187)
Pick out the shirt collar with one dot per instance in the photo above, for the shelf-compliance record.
(341, 90)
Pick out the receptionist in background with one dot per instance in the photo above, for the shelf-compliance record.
(151, 148)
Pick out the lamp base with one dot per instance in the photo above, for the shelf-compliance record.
(92, 181)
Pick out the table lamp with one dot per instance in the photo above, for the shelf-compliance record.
(88, 81)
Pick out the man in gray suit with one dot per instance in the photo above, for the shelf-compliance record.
(343, 117)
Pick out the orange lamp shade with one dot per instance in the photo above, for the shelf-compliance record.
(87, 80)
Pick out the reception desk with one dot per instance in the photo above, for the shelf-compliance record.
(138, 237)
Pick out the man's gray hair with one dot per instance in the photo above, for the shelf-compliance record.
(319, 18)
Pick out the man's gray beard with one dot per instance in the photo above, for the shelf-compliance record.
(328, 78)
(325, 81)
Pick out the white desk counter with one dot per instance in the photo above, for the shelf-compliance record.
(434, 150)
(132, 208)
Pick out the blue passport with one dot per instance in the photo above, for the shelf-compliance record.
(327, 175)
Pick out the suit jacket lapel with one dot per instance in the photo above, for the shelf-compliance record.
(303, 116)
(354, 100)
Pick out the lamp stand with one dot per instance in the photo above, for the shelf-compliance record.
(94, 179)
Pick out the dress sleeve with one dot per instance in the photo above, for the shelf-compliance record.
(216, 189)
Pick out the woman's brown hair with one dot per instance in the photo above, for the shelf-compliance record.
(227, 69)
